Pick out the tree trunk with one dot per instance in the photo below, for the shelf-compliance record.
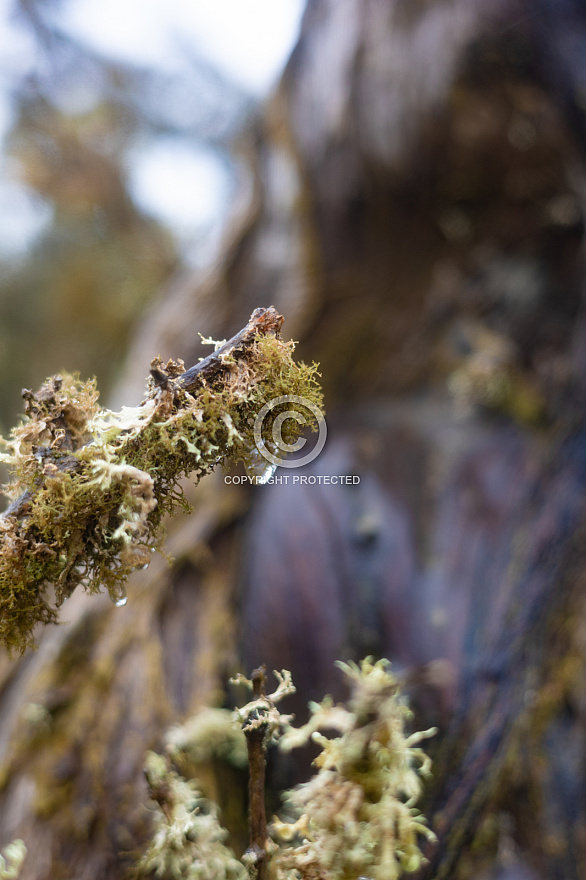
(416, 213)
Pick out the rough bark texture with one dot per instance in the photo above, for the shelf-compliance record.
(416, 213)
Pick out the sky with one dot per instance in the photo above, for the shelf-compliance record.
(248, 40)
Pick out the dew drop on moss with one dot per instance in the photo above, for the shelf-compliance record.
(118, 596)
(267, 473)
(258, 467)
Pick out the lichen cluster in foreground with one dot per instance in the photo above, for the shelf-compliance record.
(90, 487)
(355, 818)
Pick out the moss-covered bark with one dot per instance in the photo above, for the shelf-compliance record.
(90, 487)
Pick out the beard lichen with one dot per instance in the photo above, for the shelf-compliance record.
(89, 487)
(189, 841)
(11, 860)
(356, 818)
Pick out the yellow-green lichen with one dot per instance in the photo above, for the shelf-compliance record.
(11, 860)
(209, 734)
(491, 376)
(188, 840)
(357, 816)
(90, 487)
(261, 713)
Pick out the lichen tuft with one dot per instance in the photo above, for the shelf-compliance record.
(356, 818)
(188, 841)
(89, 487)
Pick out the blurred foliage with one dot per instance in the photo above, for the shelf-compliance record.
(69, 302)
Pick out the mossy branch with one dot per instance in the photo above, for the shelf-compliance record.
(355, 819)
(90, 487)
(262, 723)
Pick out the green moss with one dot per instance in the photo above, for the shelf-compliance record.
(90, 487)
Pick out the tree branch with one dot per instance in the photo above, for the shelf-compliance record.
(263, 322)
(257, 853)
(91, 487)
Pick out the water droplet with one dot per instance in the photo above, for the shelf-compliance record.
(259, 467)
(118, 596)
(268, 472)
(142, 567)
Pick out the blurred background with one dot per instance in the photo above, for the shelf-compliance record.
(405, 181)
(118, 125)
